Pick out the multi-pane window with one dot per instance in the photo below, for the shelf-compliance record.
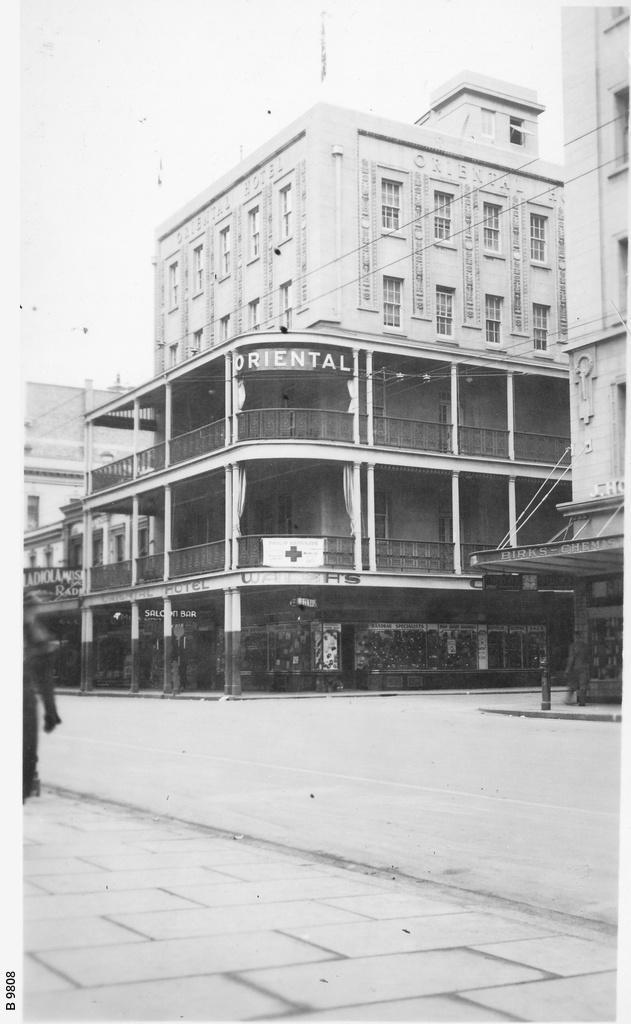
(224, 328)
(492, 227)
(198, 337)
(392, 301)
(538, 237)
(382, 514)
(285, 304)
(444, 312)
(493, 315)
(224, 251)
(390, 205)
(622, 126)
(285, 211)
(97, 548)
(488, 123)
(118, 547)
(173, 284)
(173, 355)
(253, 314)
(540, 323)
(623, 264)
(442, 214)
(198, 268)
(32, 512)
(254, 231)
(516, 131)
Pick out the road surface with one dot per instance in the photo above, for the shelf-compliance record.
(427, 786)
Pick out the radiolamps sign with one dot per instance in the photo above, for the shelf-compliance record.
(55, 583)
(293, 359)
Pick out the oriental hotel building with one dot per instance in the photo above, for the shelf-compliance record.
(359, 379)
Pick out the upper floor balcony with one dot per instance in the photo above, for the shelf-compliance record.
(377, 400)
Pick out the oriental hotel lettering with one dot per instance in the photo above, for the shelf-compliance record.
(291, 358)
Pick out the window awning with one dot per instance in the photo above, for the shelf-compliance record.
(590, 556)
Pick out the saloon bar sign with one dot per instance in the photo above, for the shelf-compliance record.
(292, 359)
(54, 583)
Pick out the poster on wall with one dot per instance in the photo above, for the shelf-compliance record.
(483, 649)
(325, 640)
(296, 551)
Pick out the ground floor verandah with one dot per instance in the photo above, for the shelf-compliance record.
(258, 638)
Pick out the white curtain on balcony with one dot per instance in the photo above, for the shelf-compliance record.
(349, 495)
(240, 498)
(351, 391)
(240, 395)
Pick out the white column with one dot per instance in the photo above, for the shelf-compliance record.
(168, 528)
(236, 643)
(87, 648)
(510, 414)
(227, 397)
(512, 512)
(135, 638)
(357, 518)
(106, 539)
(89, 446)
(133, 553)
(167, 640)
(228, 540)
(167, 422)
(455, 447)
(136, 436)
(87, 551)
(370, 431)
(370, 517)
(235, 404)
(355, 396)
(455, 521)
(234, 523)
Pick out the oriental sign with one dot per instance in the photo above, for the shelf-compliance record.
(292, 359)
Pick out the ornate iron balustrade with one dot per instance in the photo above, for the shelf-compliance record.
(113, 473)
(150, 567)
(423, 556)
(417, 434)
(542, 448)
(483, 441)
(151, 459)
(197, 442)
(466, 550)
(201, 558)
(337, 551)
(108, 577)
(299, 424)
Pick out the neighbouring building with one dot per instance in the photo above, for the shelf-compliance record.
(54, 483)
(591, 549)
(360, 377)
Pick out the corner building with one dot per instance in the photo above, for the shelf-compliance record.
(360, 379)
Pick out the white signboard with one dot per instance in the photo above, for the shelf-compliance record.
(297, 551)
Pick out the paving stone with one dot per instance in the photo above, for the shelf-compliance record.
(264, 892)
(560, 954)
(218, 856)
(341, 983)
(150, 878)
(387, 905)
(80, 846)
(180, 957)
(204, 999)
(57, 866)
(400, 935)
(94, 903)
(173, 924)
(427, 1009)
(33, 889)
(257, 871)
(38, 978)
(591, 997)
(67, 933)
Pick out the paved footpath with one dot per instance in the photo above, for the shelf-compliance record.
(133, 917)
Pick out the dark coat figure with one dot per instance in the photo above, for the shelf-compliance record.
(577, 671)
(37, 679)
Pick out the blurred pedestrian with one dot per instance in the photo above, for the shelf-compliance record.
(38, 646)
(577, 670)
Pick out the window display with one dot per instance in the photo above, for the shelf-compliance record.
(325, 639)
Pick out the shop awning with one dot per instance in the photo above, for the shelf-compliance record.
(593, 556)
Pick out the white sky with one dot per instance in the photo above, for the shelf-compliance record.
(110, 89)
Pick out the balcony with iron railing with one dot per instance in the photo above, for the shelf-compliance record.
(419, 435)
(487, 441)
(150, 568)
(204, 439)
(111, 576)
(337, 551)
(542, 448)
(298, 424)
(416, 556)
(197, 559)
